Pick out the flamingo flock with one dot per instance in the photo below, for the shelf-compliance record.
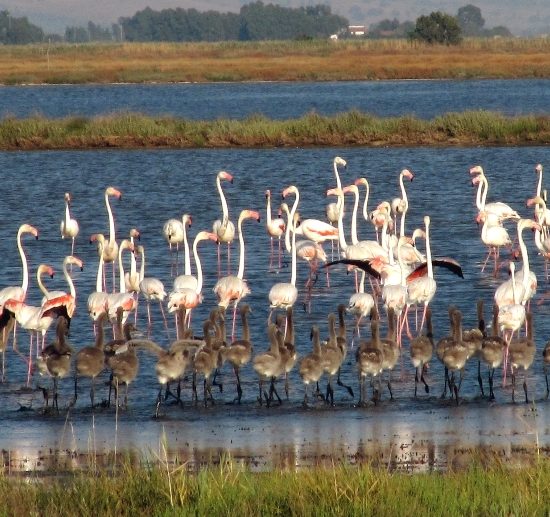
(397, 283)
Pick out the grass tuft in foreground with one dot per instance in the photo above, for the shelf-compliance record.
(132, 130)
(230, 490)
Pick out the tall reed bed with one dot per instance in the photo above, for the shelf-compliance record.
(272, 60)
(231, 490)
(132, 130)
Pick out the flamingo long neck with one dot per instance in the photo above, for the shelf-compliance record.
(366, 202)
(142, 265)
(187, 256)
(111, 220)
(268, 200)
(384, 234)
(478, 195)
(274, 342)
(514, 297)
(539, 184)
(199, 266)
(341, 236)
(332, 332)
(362, 283)
(524, 256)
(293, 274)
(406, 200)
(41, 285)
(400, 262)
(67, 214)
(485, 182)
(99, 278)
(337, 175)
(121, 281)
(240, 273)
(68, 278)
(25, 283)
(225, 210)
(287, 231)
(291, 221)
(429, 253)
(354, 239)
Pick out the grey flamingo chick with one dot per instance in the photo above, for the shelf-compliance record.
(421, 349)
(239, 352)
(492, 351)
(522, 354)
(370, 357)
(269, 366)
(311, 366)
(473, 339)
(90, 360)
(205, 363)
(390, 347)
(456, 355)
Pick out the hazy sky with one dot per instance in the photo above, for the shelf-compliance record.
(520, 16)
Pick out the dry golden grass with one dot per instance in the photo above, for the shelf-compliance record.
(269, 61)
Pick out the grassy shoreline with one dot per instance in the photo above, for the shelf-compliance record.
(317, 60)
(230, 490)
(353, 128)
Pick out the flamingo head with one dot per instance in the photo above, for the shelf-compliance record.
(204, 235)
(27, 228)
(46, 269)
(223, 175)
(476, 169)
(75, 261)
(426, 221)
(99, 237)
(249, 214)
(68, 198)
(187, 220)
(406, 173)
(362, 181)
(538, 168)
(351, 188)
(112, 191)
(419, 232)
(267, 194)
(340, 161)
(537, 200)
(134, 234)
(476, 180)
(290, 190)
(284, 208)
(335, 192)
(140, 250)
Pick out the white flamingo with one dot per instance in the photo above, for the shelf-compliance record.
(110, 247)
(360, 305)
(333, 209)
(498, 208)
(69, 226)
(401, 205)
(188, 297)
(275, 229)
(173, 232)
(97, 300)
(494, 236)
(233, 288)
(224, 228)
(187, 280)
(151, 288)
(123, 299)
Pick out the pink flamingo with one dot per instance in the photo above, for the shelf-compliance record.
(224, 228)
(190, 297)
(110, 248)
(173, 232)
(152, 289)
(97, 300)
(69, 226)
(231, 289)
(275, 228)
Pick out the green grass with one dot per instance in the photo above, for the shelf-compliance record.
(230, 490)
(132, 130)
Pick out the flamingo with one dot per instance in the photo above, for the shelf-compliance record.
(542, 241)
(525, 277)
(232, 288)
(283, 295)
(401, 205)
(173, 232)
(421, 289)
(494, 236)
(61, 302)
(121, 299)
(110, 248)
(502, 210)
(306, 249)
(187, 279)
(188, 298)
(360, 305)
(151, 288)
(97, 300)
(69, 226)
(132, 278)
(275, 228)
(333, 209)
(363, 181)
(224, 228)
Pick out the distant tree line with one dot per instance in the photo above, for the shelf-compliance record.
(255, 21)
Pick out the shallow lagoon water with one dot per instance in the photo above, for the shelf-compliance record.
(423, 433)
